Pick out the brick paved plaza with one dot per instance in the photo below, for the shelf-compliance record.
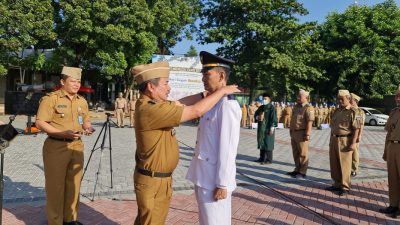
(265, 196)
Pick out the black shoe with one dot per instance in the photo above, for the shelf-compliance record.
(395, 214)
(353, 174)
(73, 223)
(292, 174)
(300, 175)
(257, 160)
(389, 210)
(332, 188)
(342, 192)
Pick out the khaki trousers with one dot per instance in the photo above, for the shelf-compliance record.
(300, 151)
(132, 117)
(355, 159)
(244, 121)
(393, 168)
(251, 119)
(63, 163)
(340, 161)
(153, 196)
(120, 117)
(286, 121)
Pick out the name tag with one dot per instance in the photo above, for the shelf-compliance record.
(80, 120)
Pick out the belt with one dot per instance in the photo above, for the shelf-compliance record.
(152, 173)
(346, 135)
(395, 142)
(64, 139)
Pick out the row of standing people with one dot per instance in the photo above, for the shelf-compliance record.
(347, 123)
(323, 114)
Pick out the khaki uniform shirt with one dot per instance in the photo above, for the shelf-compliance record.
(63, 113)
(302, 114)
(393, 125)
(157, 149)
(320, 112)
(345, 121)
(287, 111)
(120, 103)
(132, 105)
(252, 110)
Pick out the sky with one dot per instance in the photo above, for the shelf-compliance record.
(318, 10)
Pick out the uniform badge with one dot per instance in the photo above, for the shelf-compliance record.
(80, 120)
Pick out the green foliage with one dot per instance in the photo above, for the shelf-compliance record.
(362, 50)
(25, 24)
(174, 19)
(272, 50)
(192, 52)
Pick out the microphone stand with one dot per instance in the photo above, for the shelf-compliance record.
(3, 145)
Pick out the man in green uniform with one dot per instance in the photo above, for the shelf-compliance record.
(392, 157)
(300, 131)
(64, 116)
(157, 151)
(267, 121)
(355, 99)
(345, 126)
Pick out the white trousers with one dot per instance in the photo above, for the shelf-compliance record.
(213, 212)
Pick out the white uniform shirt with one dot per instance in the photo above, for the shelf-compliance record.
(213, 164)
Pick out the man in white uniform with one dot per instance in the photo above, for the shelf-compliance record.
(213, 168)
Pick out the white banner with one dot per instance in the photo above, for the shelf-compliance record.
(185, 76)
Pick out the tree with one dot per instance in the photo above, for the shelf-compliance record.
(104, 36)
(271, 49)
(26, 28)
(363, 49)
(192, 52)
(174, 20)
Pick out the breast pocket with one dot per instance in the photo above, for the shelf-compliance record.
(59, 115)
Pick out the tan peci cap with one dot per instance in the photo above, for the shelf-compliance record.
(147, 72)
(356, 97)
(344, 93)
(73, 72)
(304, 92)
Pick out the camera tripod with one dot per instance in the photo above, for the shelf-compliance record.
(107, 130)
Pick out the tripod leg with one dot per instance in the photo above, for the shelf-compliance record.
(101, 157)
(93, 149)
(110, 148)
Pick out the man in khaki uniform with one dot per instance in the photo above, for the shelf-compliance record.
(244, 115)
(300, 130)
(120, 109)
(278, 111)
(131, 108)
(355, 99)
(392, 157)
(320, 116)
(64, 116)
(345, 127)
(251, 111)
(287, 113)
(157, 151)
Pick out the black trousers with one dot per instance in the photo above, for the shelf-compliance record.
(265, 156)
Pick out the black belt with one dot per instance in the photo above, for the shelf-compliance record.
(395, 142)
(152, 173)
(346, 135)
(64, 139)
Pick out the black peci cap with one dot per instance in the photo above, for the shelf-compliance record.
(210, 60)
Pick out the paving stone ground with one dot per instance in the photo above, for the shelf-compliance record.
(265, 196)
